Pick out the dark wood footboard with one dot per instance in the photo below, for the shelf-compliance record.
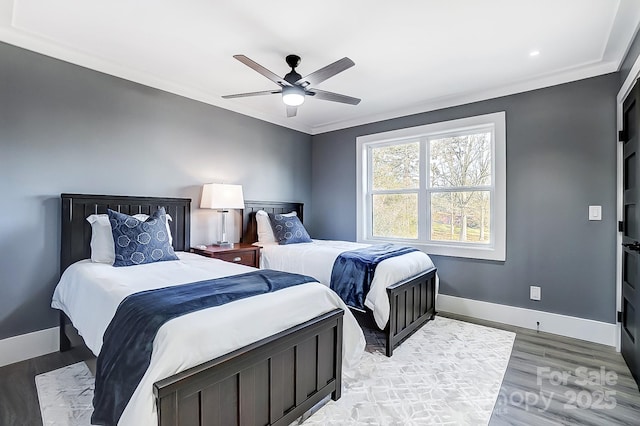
(412, 303)
(270, 382)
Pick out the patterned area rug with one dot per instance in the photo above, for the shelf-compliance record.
(66, 396)
(448, 373)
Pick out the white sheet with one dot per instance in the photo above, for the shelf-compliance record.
(89, 293)
(316, 259)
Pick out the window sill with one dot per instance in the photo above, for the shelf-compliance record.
(468, 252)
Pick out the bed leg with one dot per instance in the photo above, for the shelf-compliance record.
(65, 343)
(389, 348)
(337, 393)
(391, 325)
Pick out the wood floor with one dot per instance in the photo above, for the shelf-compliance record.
(18, 396)
(534, 390)
(554, 380)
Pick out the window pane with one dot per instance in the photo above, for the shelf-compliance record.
(396, 166)
(461, 216)
(395, 215)
(461, 160)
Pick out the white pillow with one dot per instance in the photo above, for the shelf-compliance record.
(265, 231)
(102, 249)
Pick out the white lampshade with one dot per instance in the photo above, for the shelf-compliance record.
(221, 196)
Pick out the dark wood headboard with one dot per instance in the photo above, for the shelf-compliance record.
(76, 231)
(250, 233)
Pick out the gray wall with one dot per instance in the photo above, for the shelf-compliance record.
(64, 128)
(561, 157)
(630, 58)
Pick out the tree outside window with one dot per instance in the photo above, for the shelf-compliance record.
(395, 185)
(460, 186)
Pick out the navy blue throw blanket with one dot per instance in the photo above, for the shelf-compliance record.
(128, 340)
(353, 271)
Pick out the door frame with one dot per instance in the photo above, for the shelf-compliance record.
(625, 89)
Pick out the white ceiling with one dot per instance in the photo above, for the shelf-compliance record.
(411, 55)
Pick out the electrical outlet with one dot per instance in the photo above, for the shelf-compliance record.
(534, 292)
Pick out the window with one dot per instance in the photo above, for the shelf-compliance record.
(441, 187)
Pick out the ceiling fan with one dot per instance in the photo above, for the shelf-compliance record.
(294, 87)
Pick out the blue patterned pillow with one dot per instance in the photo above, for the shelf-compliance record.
(137, 242)
(288, 229)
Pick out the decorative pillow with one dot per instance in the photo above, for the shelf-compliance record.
(102, 250)
(288, 229)
(265, 231)
(137, 242)
(142, 216)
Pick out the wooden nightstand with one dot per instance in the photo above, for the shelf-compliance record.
(242, 253)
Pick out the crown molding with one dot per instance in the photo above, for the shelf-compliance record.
(49, 48)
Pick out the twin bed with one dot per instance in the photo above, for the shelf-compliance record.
(403, 290)
(266, 359)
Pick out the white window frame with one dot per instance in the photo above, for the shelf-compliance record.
(496, 250)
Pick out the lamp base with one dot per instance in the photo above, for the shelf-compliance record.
(223, 244)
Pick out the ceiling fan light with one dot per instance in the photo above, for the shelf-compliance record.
(292, 95)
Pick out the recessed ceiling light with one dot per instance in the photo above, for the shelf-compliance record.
(534, 53)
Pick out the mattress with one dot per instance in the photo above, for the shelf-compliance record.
(316, 259)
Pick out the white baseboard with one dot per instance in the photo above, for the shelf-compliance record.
(30, 345)
(578, 328)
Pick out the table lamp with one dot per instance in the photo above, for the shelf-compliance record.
(222, 197)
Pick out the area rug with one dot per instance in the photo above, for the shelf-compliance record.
(66, 395)
(448, 373)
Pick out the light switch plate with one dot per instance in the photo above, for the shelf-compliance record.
(595, 212)
(534, 292)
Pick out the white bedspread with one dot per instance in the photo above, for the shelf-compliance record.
(89, 293)
(316, 259)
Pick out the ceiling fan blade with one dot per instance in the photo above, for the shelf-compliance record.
(291, 111)
(262, 70)
(244, 95)
(324, 73)
(335, 97)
